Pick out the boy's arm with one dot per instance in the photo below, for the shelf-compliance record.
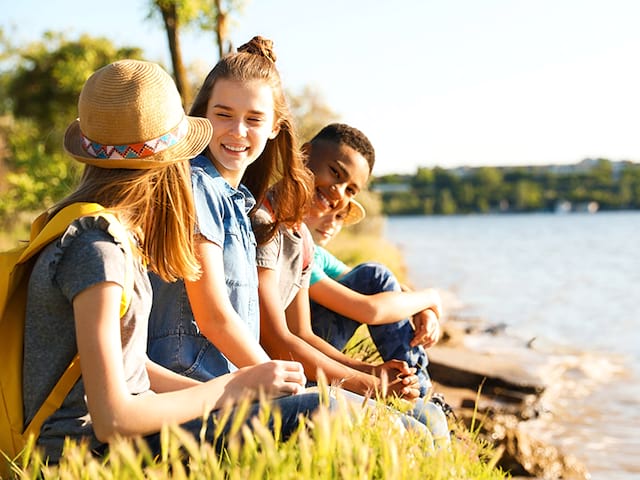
(376, 309)
(426, 324)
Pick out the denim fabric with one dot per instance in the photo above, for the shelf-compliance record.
(425, 417)
(392, 339)
(431, 415)
(175, 340)
(408, 420)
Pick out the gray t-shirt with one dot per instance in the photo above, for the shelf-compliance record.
(288, 255)
(85, 255)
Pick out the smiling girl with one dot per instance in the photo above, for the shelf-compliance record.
(211, 326)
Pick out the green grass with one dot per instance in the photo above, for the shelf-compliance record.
(364, 444)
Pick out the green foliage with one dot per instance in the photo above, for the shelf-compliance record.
(514, 189)
(42, 82)
(49, 75)
(36, 177)
(201, 14)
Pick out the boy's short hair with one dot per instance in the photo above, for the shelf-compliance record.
(342, 133)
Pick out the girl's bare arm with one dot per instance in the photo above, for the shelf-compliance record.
(214, 314)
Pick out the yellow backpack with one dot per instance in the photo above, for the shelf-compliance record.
(15, 269)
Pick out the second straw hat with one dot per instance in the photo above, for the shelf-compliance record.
(355, 214)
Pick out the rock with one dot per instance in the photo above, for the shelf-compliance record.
(463, 368)
(495, 395)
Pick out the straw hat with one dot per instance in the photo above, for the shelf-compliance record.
(131, 116)
(355, 213)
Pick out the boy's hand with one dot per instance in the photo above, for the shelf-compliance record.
(427, 328)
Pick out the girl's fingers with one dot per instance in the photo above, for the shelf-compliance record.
(293, 366)
(300, 378)
(294, 376)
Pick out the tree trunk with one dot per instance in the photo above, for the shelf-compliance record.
(170, 18)
(221, 29)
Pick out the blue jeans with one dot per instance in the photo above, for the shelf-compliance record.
(392, 339)
(431, 415)
(290, 408)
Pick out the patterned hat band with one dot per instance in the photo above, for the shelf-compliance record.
(137, 150)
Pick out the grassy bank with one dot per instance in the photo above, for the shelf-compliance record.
(358, 443)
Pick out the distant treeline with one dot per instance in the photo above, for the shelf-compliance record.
(587, 186)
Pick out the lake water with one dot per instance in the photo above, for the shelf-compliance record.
(568, 282)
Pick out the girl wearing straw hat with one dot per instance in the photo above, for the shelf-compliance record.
(210, 326)
(136, 141)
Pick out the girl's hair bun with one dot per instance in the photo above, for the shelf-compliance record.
(259, 46)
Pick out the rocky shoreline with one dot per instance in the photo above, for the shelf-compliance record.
(500, 398)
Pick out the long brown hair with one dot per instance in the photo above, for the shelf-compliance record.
(280, 164)
(156, 205)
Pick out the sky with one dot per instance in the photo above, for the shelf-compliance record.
(444, 83)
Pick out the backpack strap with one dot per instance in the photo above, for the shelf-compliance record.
(44, 232)
(117, 230)
(55, 398)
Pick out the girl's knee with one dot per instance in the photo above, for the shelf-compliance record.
(377, 275)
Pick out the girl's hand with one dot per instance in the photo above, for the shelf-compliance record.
(398, 378)
(407, 387)
(276, 378)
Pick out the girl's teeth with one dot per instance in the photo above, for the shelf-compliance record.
(235, 149)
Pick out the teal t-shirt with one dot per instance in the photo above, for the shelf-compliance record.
(325, 265)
